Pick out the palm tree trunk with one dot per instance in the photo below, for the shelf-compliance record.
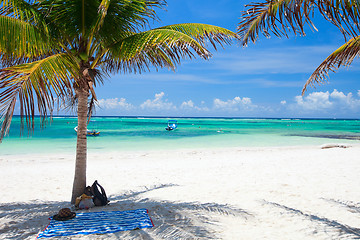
(81, 145)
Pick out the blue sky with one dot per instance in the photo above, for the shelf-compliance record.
(262, 80)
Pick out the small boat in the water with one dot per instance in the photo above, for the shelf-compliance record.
(89, 132)
(172, 125)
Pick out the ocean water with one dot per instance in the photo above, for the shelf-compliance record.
(139, 133)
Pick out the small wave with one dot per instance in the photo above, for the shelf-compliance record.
(347, 137)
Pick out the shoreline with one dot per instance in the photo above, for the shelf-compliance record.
(93, 151)
(193, 133)
(222, 193)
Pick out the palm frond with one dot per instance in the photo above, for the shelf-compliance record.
(283, 16)
(6, 114)
(103, 8)
(116, 18)
(125, 15)
(81, 19)
(204, 32)
(39, 80)
(133, 14)
(345, 14)
(264, 17)
(71, 19)
(158, 47)
(20, 9)
(21, 40)
(165, 46)
(343, 56)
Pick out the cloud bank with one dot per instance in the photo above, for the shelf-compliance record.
(334, 103)
(316, 104)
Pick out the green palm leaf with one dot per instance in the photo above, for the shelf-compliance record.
(21, 40)
(165, 46)
(103, 8)
(38, 80)
(343, 14)
(283, 16)
(265, 17)
(343, 56)
(204, 32)
(20, 9)
(158, 47)
(116, 19)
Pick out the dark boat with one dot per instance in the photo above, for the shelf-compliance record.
(89, 132)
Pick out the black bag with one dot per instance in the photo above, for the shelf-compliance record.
(87, 191)
(99, 198)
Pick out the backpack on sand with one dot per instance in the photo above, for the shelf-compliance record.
(99, 198)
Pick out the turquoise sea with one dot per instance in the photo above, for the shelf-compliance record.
(143, 133)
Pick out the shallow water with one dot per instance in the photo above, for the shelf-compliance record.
(123, 134)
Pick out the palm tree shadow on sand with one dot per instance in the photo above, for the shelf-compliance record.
(172, 220)
(351, 206)
(334, 227)
(175, 220)
(25, 220)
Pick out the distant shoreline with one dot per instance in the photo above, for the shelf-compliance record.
(174, 117)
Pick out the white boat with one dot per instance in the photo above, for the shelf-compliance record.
(89, 132)
(172, 125)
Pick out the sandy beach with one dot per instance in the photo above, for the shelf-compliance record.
(224, 193)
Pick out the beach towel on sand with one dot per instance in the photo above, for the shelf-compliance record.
(98, 223)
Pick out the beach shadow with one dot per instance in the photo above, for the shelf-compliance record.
(25, 220)
(134, 194)
(172, 220)
(351, 206)
(175, 220)
(343, 231)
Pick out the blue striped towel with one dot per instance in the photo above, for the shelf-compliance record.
(98, 222)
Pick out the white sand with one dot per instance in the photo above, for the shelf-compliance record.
(237, 193)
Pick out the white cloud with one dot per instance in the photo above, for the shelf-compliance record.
(315, 104)
(115, 103)
(158, 103)
(347, 100)
(189, 105)
(339, 95)
(314, 101)
(235, 104)
(332, 103)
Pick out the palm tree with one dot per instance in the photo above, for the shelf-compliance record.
(55, 51)
(283, 16)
